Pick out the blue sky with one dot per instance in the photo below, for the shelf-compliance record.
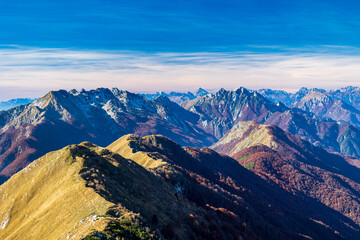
(301, 33)
(178, 25)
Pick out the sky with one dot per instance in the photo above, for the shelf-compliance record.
(178, 45)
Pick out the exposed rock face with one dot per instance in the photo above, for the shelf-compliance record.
(221, 111)
(177, 97)
(101, 116)
(288, 98)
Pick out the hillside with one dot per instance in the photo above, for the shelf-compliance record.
(84, 191)
(295, 165)
(286, 212)
(83, 188)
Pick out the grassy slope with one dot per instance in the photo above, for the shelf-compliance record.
(46, 199)
(122, 147)
(249, 133)
(65, 193)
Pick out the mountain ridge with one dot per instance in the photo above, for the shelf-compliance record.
(295, 165)
(106, 189)
(61, 118)
(220, 111)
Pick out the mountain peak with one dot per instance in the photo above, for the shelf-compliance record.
(163, 99)
(201, 92)
(221, 91)
(241, 90)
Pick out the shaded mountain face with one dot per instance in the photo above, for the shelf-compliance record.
(277, 96)
(288, 212)
(177, 97)
(100, 116)
(218, 112)
(295, 165)
(150, 188)
(221, 111)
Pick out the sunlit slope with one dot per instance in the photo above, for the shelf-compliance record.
(131, 146)
(72, 192)
(47, 199)
(242, 135)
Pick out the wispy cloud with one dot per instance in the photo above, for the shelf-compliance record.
(34, 71)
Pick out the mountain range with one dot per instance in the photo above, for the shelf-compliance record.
(177, 97)
(241, 164)
(151, 188)
(100, 116)
(341, 105)
(64, 117)
(221, 111)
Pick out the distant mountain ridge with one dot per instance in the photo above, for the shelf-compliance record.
(341, 105)
(219, 112)
(177, 97)
(5, 105)
(349, 95)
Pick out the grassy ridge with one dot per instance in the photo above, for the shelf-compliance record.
(48, 198)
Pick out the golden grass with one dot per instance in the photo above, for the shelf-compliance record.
(250, 134)
(46, 199)
(122, 147)
(50, 199)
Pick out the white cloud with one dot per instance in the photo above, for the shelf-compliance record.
(31, 72)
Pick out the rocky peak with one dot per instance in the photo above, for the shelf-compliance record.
(222, 91)
(242, 90)
(201, 92)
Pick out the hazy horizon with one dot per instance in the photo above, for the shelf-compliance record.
(168, 92)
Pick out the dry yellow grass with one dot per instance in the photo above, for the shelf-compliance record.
(122, 146)
(64, 194)
(251, 134)
(47, 199)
